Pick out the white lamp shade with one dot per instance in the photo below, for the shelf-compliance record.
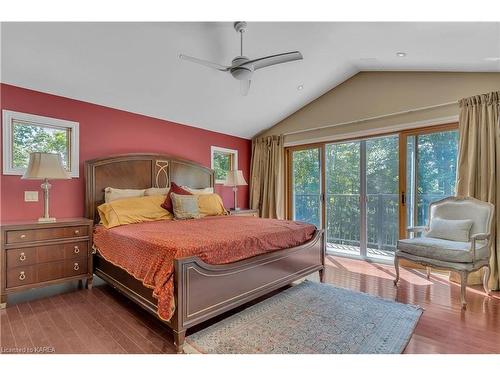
(44, 165)
(235, 178)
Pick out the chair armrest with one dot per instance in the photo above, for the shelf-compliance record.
(416, 229)
(477, 237)
(480, 236)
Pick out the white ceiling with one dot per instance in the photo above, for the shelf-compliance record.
(135, 66)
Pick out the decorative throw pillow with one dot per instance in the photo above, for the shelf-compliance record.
(113, 194)
(132, 210)
(185, 206)
(453, 230)
(156, 191)
(211, 205)
(174, 189)
(208, 190)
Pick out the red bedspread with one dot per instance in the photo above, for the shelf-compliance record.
(147, 250)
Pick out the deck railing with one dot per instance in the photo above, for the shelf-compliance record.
(343, 217)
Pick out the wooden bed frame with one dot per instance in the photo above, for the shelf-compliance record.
(201, 290)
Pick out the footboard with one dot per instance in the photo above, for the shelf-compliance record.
(204, 291)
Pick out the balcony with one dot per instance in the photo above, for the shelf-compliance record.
(343, 220)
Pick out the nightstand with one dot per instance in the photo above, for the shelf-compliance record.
(37, 254)
(244, 212)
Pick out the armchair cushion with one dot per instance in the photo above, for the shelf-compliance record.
(445, 250)
(453, 230)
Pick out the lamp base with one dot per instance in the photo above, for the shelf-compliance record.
(47, 220)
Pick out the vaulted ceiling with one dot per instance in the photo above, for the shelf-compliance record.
(135, 66)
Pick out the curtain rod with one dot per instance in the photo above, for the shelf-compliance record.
(372, 118)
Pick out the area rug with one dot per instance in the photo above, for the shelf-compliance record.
(312, 318)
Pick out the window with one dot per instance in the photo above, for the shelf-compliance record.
(24, 133)
(366, 192)
(223, 161)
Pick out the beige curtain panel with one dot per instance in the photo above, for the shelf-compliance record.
(479, 163)
(267, 176)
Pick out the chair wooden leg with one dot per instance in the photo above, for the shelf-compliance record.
(428, 271)
(463, 287)
(486, 278)
(396, 266)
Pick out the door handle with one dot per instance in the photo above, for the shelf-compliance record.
(403, 198)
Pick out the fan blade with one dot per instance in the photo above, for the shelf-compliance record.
(245, 87)
(205, 62)
(274, 59)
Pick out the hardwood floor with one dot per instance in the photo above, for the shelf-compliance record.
(102, 321)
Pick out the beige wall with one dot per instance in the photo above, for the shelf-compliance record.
(370, 94)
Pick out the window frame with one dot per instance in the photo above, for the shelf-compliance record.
(234, 159)
(74, 140)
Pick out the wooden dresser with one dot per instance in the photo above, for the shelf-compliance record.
(244, 212)
(37, 254)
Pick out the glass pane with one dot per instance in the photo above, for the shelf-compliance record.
(29, 137)
(222, 164)
(342, 197)
(410, 180)
(382, 195)
(306, 186)
(436, 170)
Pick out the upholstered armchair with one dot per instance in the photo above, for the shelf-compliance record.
(456, 239)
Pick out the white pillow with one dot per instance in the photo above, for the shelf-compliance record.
(156, 191)
(453, 230)
(113, 194)
(208, 190)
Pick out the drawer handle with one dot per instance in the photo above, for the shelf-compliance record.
(22, 276)
(77, 231)
(23, 236)
(77, 250)
(76, 267)
(22, 257)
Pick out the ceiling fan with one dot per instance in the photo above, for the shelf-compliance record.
(242, 67)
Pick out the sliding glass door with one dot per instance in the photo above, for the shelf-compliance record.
(431, 171)
(382, 195)
(343, 195)
(362, 197)
(305, 185)
(366, 192)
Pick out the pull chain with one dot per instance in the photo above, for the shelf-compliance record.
(241, 42)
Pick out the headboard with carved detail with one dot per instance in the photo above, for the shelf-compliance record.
(139, 171)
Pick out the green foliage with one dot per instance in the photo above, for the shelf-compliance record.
(29, 138)
(222, 164)
(436, 175)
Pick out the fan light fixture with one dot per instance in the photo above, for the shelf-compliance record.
(242, 68)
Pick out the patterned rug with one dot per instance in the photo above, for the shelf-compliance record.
(312, 318)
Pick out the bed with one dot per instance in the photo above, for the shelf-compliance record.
(199, 290)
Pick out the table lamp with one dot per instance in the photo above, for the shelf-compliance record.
(45, 166)
(235, 178)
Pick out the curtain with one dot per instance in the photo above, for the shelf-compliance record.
(267, 177)
(479, 164)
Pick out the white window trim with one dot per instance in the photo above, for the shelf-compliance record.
(213, 149)
(8, 116)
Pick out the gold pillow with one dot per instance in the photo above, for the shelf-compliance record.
(211, 205)
(133, 210)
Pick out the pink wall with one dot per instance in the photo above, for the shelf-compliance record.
(105, 131)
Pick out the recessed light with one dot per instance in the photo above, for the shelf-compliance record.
(300, 87)
(400, 54)
(492, 58)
